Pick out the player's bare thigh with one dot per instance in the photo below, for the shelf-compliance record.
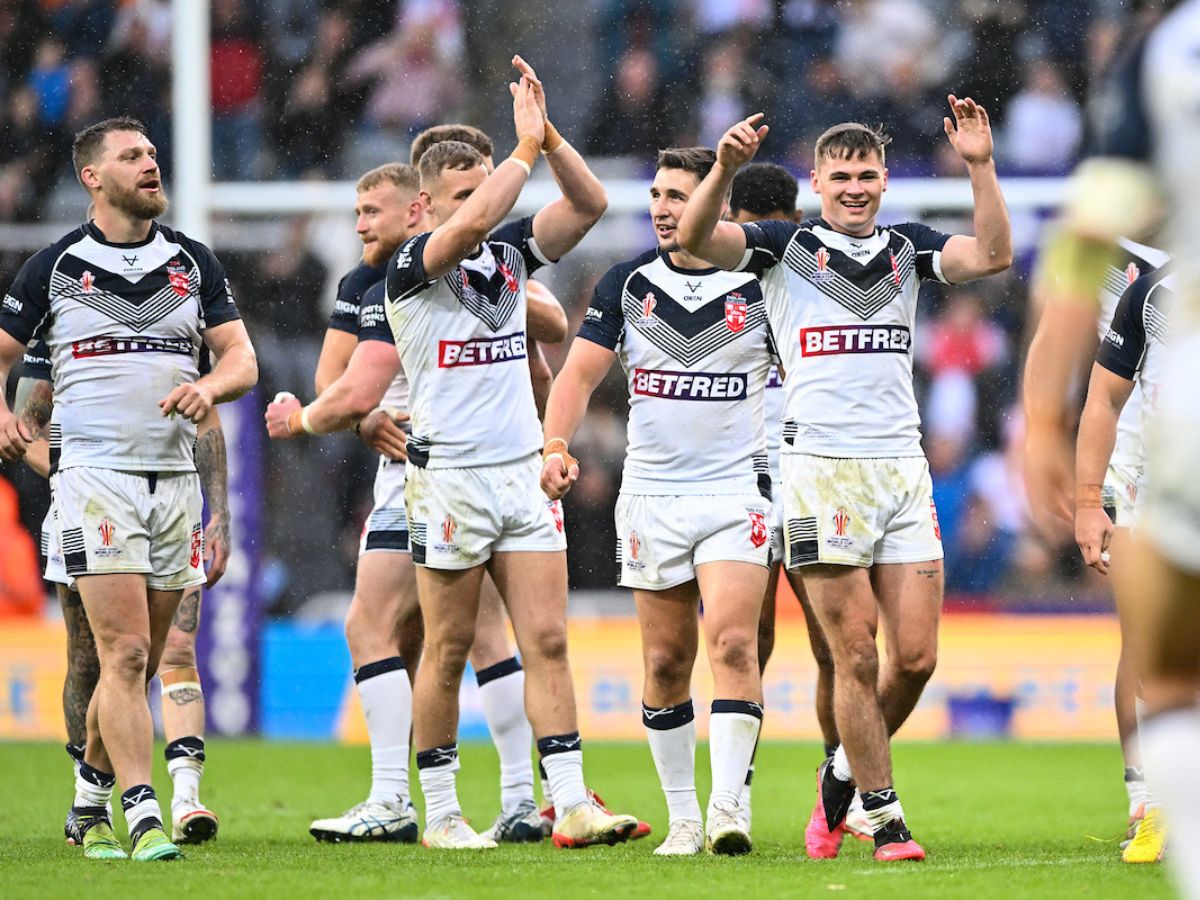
(910, 605)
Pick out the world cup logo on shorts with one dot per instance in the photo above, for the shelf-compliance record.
(758, 527)
(449, 526)
(197, 546)
(840, 520)
(107, 531)
(635, 544)
(556, 512)
(937, 528)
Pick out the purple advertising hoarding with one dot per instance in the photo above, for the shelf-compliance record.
(227, 647)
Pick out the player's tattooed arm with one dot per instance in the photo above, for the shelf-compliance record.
(33, 404)
(212, 465)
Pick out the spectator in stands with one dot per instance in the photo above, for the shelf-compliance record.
(634, 117)
(237, 81)
(50, 80)
(30, 153)
(83, 26)
(1043, 127)
(881, 41)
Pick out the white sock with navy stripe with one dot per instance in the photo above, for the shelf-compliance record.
(732, 735)
(671, 733)
(502, 691)
(386, 696)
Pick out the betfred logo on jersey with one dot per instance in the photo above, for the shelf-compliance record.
(735, 312)
(481, 351)
(689, 385)
(110, 346)
(830, 340)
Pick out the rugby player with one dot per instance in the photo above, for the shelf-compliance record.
(694, 513)
(456, 306)
(768, 191)
(383, 627)
(183, 717)
(1133, 349)
(858, 506)
(1146, 132)
(124, 304)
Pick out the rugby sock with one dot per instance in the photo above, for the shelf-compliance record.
(732, 733)
(1135, 789)
(830, 749)
(841, 764)
(93, 787)
(1149, 797)
(75, 751)
(1170, 748)
(502, 690)
(141, 810)
(437, 768)
(547, 791)
(386, 696)
(881, 807)
(562, 760)
(185, 765)
(671, 733)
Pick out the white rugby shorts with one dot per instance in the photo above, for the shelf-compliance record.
(778, 541)
(459, 517)
(858, 512)
(661, 539)
(123, 522)
(386, 528)
(1119, 496)
(54, 569)
(1170, 517)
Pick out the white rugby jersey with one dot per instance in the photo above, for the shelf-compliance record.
(842, 311)
(696, 348)
(1135, 343)
(123, 323)
(373, 326)
(1135, 260)
(461, 340)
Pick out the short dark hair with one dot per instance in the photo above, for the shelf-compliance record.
(466, 134)
(88, 142)
(851, 140)
(764, 188)
(448, 155)
(697, 160)
(398, 174)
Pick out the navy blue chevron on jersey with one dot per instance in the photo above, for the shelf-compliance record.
(350, 292)
(123, 324)
(1136, 342)
(373, 326)
(842, 310)
(696, 349)
(461, 340)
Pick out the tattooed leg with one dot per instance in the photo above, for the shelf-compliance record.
(183, 698)
(83, 667)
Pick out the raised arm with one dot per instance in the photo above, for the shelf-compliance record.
(990, 250)
(701, 233)
(1107, 395)
(487, 206)
(585, 368)
(560, 225)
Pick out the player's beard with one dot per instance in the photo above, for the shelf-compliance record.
(136, 204)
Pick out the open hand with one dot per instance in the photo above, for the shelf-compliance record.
(528, 118)
(970, 133)
(539, 92)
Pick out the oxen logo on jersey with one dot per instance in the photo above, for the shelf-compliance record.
(510, 280)
(758, 527)
(178, 277)
(1132, 273)
(823, 273)
(557, 514)
(736, 309)
(648, 303)
(87, 281)
(197, 546)
(130, 261)
(108, 533)
(635, 548)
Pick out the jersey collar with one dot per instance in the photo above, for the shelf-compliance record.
(666, 258)
(90, 228)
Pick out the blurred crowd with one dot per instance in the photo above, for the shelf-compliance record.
(312, 89)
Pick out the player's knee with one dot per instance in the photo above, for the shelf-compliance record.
(860, 661)
(550, 643)
(448, 650)
(736, 650)
(916, 667)
(667, 666)
(127, 656)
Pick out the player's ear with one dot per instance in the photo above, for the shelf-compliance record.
(815, 181)
(89, 178)
(885, 174)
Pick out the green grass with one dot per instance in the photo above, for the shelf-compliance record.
(998, 820)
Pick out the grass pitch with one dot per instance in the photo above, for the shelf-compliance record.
(998, 820)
